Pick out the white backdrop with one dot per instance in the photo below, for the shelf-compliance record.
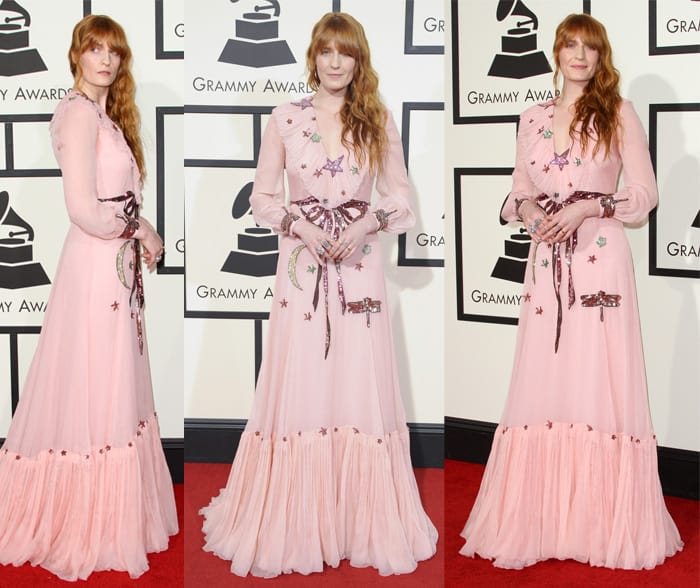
(655, 48)
(28, 172)
(227, 106)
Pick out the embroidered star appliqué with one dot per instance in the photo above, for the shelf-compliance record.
(560, 160)
(334, 166)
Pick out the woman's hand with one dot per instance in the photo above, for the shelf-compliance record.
(151, 243)
(561, 225)
(315, 238)
(353, 237)
(534, 219)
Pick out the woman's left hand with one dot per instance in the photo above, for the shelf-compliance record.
(352, 238)
(152, 244)
(559, 226)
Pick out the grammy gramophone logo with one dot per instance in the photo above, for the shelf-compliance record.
(256, 43)
(511, 265)
(519, 57)
(16, 57)
(257, 247)
(17, 269)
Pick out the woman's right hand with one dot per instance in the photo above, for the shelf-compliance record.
(315, 238)
(533, 217)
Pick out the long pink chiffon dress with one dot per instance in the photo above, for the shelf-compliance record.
(84, 481)
(323, 470)
(572, 472)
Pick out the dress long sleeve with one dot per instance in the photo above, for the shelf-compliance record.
(75, 143)
(392, 184)
(267, 199)
(523, 187)
(637, 172)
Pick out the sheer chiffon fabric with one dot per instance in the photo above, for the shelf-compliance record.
(323, 469)
(572, 471)
(84, 479)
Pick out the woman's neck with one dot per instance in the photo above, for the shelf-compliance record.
(570, 93)
(328, 102)
(96, 94)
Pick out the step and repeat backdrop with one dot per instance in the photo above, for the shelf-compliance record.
(500, 63)
(35, 36)
(244, 57)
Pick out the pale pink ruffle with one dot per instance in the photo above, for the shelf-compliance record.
(295, 502)
(75, 514)
(567, 491)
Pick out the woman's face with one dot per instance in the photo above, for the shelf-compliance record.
(100, 66)
(577, 60)
(335, 69)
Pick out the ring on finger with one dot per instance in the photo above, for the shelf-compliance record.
(320, 250)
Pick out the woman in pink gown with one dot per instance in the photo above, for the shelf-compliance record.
(85, 485)
(572, 471)
(323, 470)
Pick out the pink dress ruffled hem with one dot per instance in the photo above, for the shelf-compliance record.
(567, 491)
(298, 501)
(54, 507)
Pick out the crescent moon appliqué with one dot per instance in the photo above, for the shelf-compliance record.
(120, 264)
(292, 266)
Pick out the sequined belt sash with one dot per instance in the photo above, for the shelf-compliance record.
(551, 207)
(131, 211)
(333, 221)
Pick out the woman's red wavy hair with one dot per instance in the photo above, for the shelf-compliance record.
(363, 115)
(598, 107)
(121, 103)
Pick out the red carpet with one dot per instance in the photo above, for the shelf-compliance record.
(205, 569)
(165, 568)
(461, 486)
